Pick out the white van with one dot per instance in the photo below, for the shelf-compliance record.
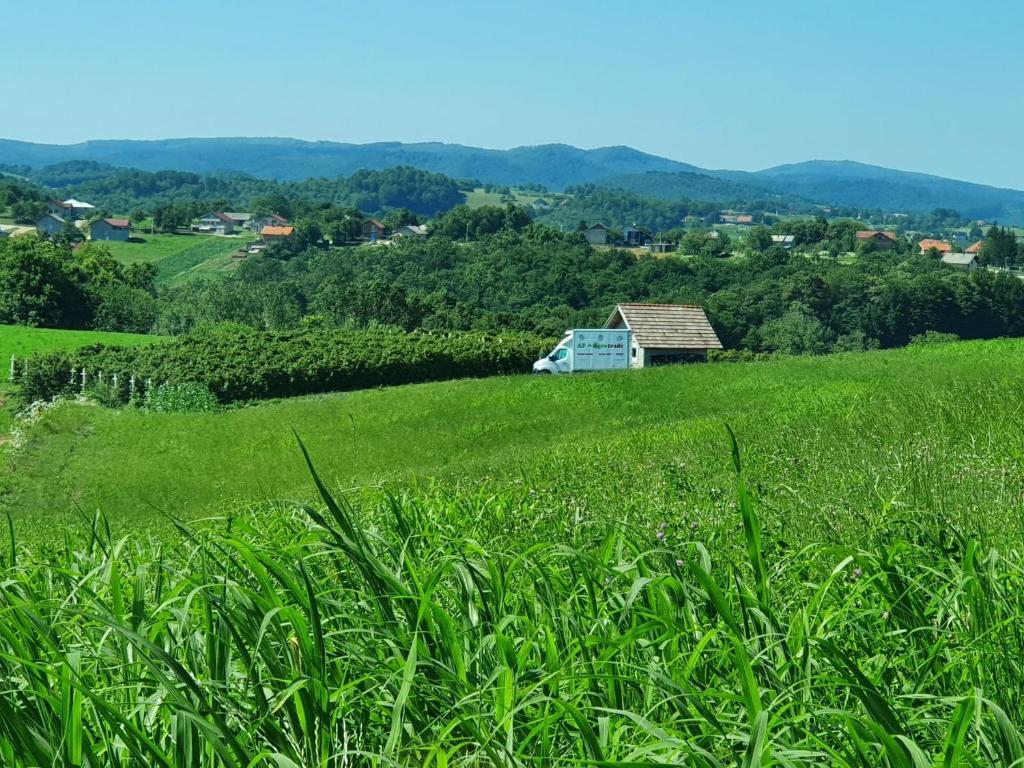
(588, 349)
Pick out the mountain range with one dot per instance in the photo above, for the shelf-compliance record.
(556, 166)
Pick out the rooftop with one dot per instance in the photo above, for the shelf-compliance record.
(666, 326)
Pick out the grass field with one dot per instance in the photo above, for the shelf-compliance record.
(21, 342)
(557, 572)
(479, 197)
(180, 257)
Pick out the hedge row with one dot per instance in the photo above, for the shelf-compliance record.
(258, 365)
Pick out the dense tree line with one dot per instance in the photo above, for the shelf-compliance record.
(540, 280)
(51, 284)
(129, 189)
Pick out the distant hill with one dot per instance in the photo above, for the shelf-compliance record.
(553, 165)
(556, 166)
(870, 186)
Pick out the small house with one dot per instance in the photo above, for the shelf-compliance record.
(636, 237)
(215, 223)
(71, 209)
(976, 248)
(374, 229)
(784, 241)
(966, 261)
(110, 229)
(410, 230)
(665, 333)
(939, 245)
(272, 220)
(883, 241)
(240, 220)
(51, 224)
(661, 247)
(274, 234)
(596, 234)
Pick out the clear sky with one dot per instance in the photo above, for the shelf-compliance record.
(932, 86)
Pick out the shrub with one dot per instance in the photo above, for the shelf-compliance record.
(258, 365)
(933, 337)
(179, 398)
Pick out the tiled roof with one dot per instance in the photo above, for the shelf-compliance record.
(119, 223)
(939, 245)
(959, 259)
(666, 326)
(276, 231)
(867, 234)
(976, 248)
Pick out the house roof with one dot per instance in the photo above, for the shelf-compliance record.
(868, 234)
(939, 245)
(53, 216)
(277, 231)
(599, 225)
(959, 259)
(238, 217)
(416, 229)
(976, 248)
(666, 326)
(277, 217)
(217, 214)
(72, 203)
(785, 239)
(745, 219)
(119, 223)
(376, 222)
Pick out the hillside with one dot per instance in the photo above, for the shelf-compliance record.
(555, 166)
(868, 186)
(556, 572)
(571, 440)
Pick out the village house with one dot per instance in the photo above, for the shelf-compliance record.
(240, 220)
(661, 247)
(51, 224)
(743, 219)
(273, 234)
(110, 229)
(596, 234)
(215, 223)
(976, 248)
(883, 241)
(71, 209)
(636, 237)
(966, 261)
(665, 333)
(784, 241)
(272, 220)
(939, 245)
(410, 230)
(374, 229)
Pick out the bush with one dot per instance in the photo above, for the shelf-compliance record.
(179, 398)
(257, 365)
(933, 337)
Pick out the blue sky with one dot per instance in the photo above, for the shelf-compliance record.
(928, 86)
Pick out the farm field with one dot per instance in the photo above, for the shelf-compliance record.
(179, 257)
(535, 571)
(480, 197)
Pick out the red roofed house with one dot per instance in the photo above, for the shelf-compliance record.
(374, 229)
(976, 248)
(272, 234)
(939, 245)
(110, 229)
(216, 223)
(884, 241)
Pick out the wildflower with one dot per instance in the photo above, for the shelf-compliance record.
(693, 526)
(856, 573)
(660, 534)
(679, 563)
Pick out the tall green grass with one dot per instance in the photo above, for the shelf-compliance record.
(426, 629)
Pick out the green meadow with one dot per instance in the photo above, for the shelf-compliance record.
(22, 341)
(179, 257)
(530, 571)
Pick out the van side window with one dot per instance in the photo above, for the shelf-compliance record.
(562, 354)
